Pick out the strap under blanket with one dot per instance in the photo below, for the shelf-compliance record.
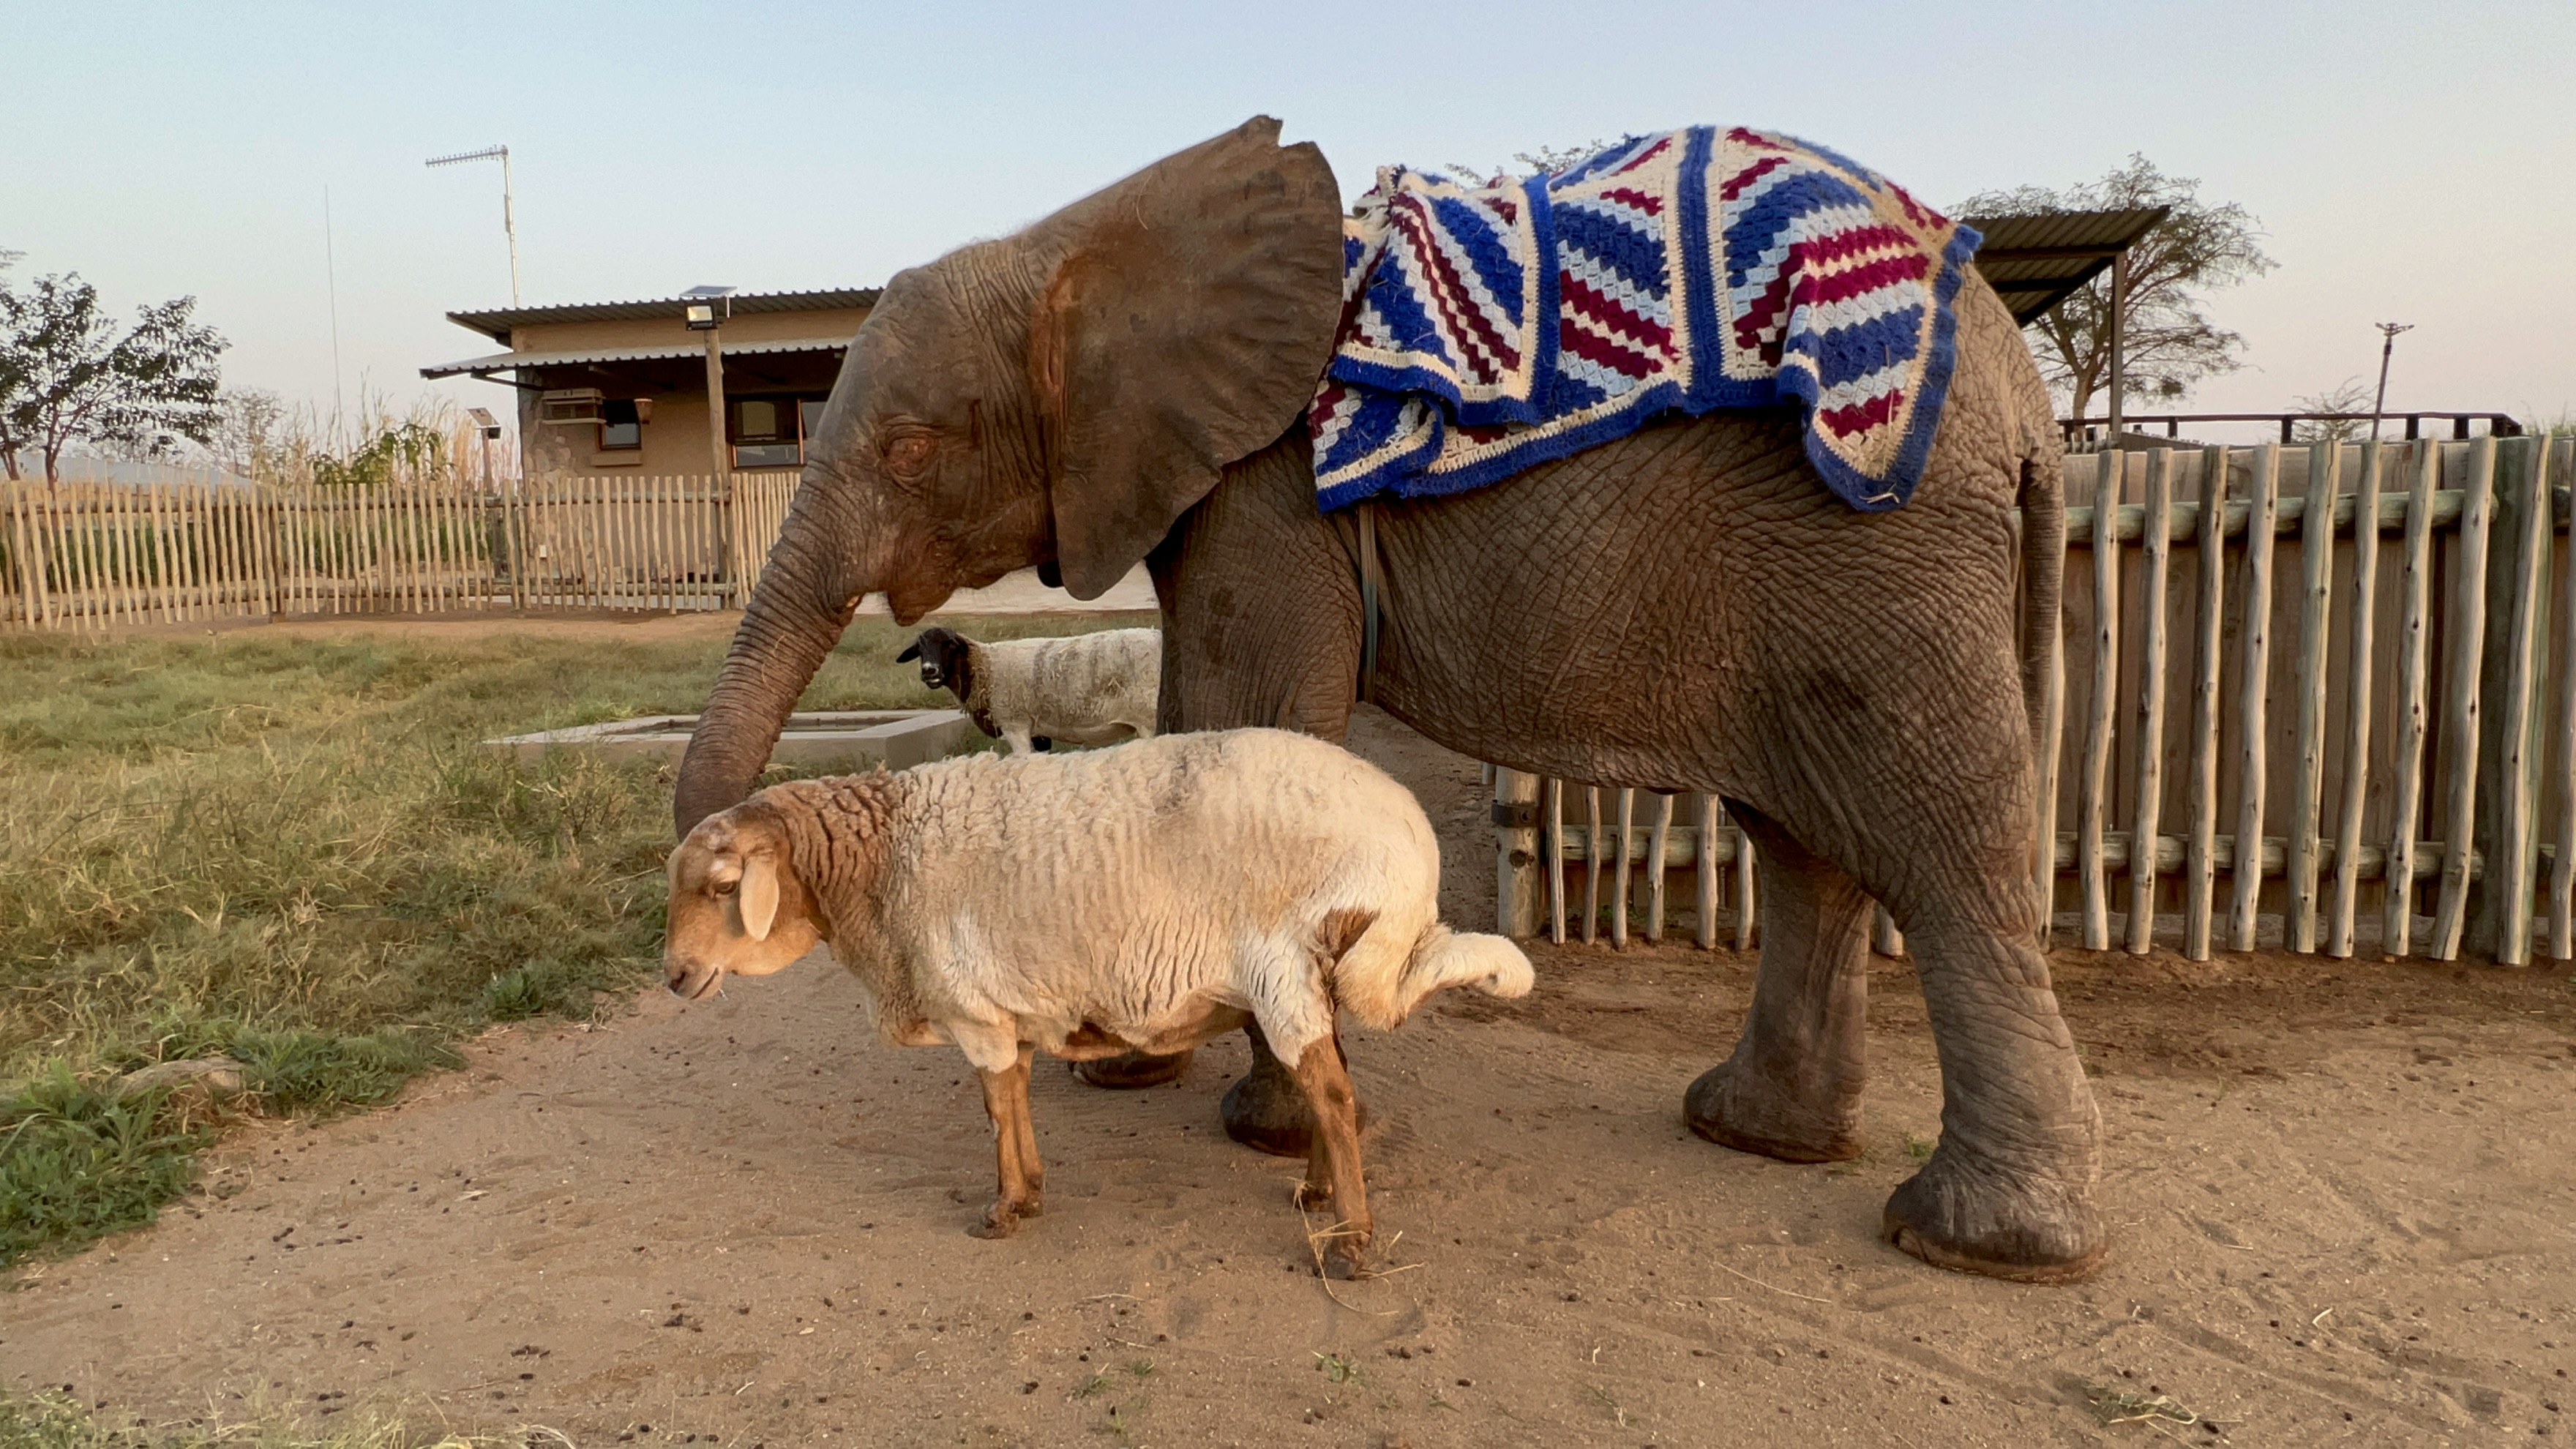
(1488, 329)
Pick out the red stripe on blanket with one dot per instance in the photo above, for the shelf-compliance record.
(1860, 417)
(1585, 300)
(1457, 308)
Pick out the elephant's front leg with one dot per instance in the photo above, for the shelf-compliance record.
(1792, 1088)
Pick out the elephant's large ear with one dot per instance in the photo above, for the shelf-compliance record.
(1191, 310)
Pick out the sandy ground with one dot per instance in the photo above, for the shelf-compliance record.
(2341, 1195)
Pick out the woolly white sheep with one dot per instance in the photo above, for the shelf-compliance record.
(1142, 898)
(1083, 689)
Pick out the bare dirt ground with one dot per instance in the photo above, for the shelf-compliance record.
(2341, 1195)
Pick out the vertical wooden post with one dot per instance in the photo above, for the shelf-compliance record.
(2307, 787)
(2148, 817)
(2359, 698)
(1622, 871)
(1661, 837)
(1747, 907)
(1555, 850)
(2050, 745)
(2562, 876)
(1706, 862)
(2093, 789)
(2252, 775)
(158, 595)
(1884, 938)
(1516, 841)
(31, 567)
(1594, 852)
(2514, 862)
(2460, 700)
(2406, 805)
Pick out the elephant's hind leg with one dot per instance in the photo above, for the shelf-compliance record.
(1792, 1088)
(2009, 1192)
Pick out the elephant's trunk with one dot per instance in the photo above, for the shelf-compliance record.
(794, 618)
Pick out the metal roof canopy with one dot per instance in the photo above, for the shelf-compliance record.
(496, 324)
(2035, 262)
(508, 361)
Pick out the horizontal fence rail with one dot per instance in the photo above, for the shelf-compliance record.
(2361, 655)
(99, 555)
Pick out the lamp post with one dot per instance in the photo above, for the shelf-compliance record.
(705, 309)
(509, 228)
(2387, 344)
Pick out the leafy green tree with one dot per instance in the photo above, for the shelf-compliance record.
(69, 373)
(2171, 341)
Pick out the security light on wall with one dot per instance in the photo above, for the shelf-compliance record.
(708, 307)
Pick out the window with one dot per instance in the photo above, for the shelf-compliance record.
(621, 425)
(770, 432)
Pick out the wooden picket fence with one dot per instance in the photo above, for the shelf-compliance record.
(2410, 743)
(99, 555)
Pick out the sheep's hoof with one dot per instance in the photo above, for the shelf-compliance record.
(1129, 1070)
(1003, 1218)
(1346, 1260)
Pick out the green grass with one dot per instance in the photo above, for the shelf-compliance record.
(294, 852)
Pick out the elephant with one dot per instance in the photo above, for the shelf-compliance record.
(1684, 609)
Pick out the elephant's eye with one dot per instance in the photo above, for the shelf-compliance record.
(906, 454)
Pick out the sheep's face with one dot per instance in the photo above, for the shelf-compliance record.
(944, 660)
(736, 904)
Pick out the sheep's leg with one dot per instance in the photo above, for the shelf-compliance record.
(1333, 1162)
(1020, 1192)
(1019, 738)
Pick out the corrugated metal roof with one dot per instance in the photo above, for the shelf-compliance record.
(496, 324)
(505, 361)
(2034, 262)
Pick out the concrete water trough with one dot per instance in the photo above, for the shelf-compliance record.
(831, 740)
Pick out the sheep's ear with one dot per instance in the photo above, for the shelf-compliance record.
(911, 651)
(758, 894)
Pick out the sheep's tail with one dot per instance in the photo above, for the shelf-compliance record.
(1372, 984)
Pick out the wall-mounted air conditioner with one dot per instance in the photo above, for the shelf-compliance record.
(569, 405)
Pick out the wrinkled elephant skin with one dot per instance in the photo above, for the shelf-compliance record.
(1686, 609)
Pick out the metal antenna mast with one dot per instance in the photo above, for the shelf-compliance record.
(509, 228)
(2387, 344)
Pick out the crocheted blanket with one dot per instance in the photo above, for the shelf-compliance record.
(1488, 329)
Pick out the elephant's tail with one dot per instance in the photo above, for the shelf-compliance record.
(2043, 568)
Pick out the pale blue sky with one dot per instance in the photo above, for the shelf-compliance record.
(2409, 163)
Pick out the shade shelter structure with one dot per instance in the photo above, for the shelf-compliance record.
(2037, 261)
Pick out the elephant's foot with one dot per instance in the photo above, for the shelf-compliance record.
(1266, 1110)
(1736, 1108)
(1129, 1070)
(1972, 1217)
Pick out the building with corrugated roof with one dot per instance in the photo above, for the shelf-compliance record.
(620, 388)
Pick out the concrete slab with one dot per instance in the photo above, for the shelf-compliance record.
(844, 739)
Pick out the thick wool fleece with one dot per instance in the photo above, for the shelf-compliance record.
(1081, 689)
(996, 900)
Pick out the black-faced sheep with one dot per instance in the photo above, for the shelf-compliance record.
(1143, 898)
(1083, 689)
